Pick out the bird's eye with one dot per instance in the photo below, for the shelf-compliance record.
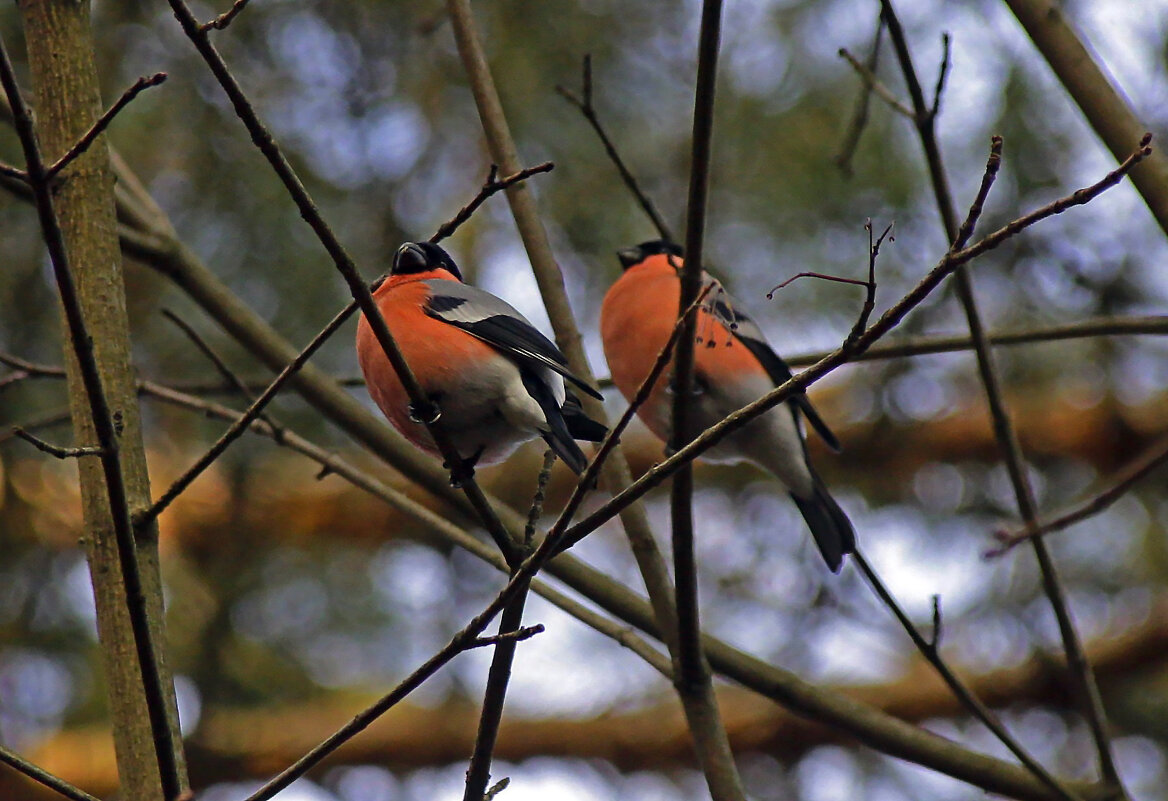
(410, 259)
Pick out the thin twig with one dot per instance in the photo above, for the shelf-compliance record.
(221, 366)
(847, 150)
(239, 426)
(839, 279)
(584, 103)
(518, 635)
(1003, 427)
(465, 639)
(1128, 477)
(44, 421)
(55, 450)
(929, 650)
(930, 345)
(343, 262)
(43, 777)
(153, 691)
(221, 22)
(103, 122)
(490, 187)
(870, 294)
(875, 85)
(533, 513)
(8, 171)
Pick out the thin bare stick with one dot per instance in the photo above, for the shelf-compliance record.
(930, 651)
(875, 85)
(1003, 427)
(43, 777)
(428, 412)
(821, 276)
(221, 22)
(221, 366)
(239, 426)
(8, 171)
(103, 122)
(464, 640)
(43, 421)
(55, 450)
(153, 690)
(1128, 477)
(490, 187)
(870, 295)
(525, 633)
(584, 103)
(847, 150)
(926, 346)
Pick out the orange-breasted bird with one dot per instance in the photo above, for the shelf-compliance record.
(734, 366)
(495, 380)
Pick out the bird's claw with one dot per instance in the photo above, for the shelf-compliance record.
(425, 413)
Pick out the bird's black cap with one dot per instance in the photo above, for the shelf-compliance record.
(630, 257)
(420, 257)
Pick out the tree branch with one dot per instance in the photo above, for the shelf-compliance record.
(1003, 427)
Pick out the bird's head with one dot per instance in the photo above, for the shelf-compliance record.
(421, 257)
(632, 256)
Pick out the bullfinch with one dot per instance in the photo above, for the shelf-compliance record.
(734, 366)
(495, 380)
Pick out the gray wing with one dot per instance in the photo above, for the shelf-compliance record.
(499, 324)
(723, 308)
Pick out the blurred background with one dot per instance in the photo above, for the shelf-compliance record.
(292, 601)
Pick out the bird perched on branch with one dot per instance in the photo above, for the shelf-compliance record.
(734, 366)
(493, 381)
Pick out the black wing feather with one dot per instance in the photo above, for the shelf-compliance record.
(514, 337)
(780, 373)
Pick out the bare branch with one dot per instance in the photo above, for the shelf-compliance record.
(1003, 427)
(847, 150)
(221, 22)
(589, 112)
(103, 122)
(490, 187)
(875, 85)
(228, 375)
(239, 426)
(55, 450)
(1128, 477)
(929, 649)
(41, 776)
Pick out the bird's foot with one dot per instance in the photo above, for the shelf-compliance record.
(464, 472)
(426, 413)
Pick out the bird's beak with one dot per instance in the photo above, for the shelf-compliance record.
(409, 258)
(629, 256)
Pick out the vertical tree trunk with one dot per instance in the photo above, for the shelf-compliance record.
(68, 101)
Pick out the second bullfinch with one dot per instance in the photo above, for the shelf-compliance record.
(496, 381)
(734, 366)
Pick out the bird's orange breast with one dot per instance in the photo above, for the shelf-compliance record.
(439, 354)
(636, 321)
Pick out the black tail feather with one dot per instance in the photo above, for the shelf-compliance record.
(580, 425)
(829, 525)
(559, 437)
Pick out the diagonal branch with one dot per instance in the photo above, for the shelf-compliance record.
(584, 103)
(102, 123)
(1003, 427)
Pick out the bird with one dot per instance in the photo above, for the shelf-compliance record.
(494, 380)
(734, 366)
